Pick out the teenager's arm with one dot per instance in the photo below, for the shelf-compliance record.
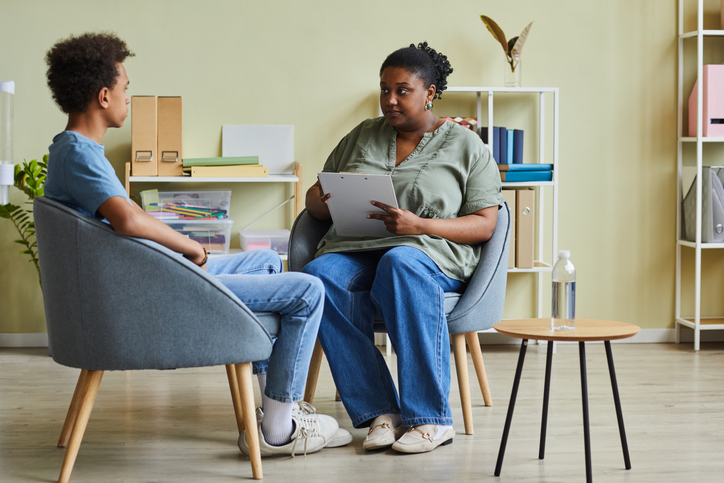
(130, 219)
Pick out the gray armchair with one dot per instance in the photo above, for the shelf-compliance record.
(478, 308)
(119, 303)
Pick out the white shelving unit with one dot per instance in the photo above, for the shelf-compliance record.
(541, 265)
(697, 322)
(295, 178)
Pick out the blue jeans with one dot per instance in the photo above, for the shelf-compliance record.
(255, 277)
(408, 290)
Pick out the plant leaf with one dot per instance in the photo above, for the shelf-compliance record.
(496, 31)
(518, 47)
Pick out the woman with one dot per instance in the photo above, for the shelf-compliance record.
(448, 190)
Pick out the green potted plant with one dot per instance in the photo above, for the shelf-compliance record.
(30, 179)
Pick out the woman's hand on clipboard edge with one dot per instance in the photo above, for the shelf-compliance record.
(398, 221)
(316, 202)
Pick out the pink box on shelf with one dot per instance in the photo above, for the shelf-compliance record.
(712, 105)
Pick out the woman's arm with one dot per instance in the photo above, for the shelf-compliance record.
(316, 202)
(130, 219)
(470, 229)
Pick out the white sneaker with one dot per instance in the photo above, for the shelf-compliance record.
(341, 438)
(310, 435)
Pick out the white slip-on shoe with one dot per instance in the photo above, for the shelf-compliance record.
(341, 438)
(420, 439)
(381, 434)
(310, 435)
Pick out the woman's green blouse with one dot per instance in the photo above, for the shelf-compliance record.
(451, 173)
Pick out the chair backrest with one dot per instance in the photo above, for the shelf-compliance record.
(479, 307)
(114, 302)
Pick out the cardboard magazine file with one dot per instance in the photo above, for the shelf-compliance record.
(509, 196)
(525, 228)
(144, 136)
(712, 207)
(170, 136)
(712, 105)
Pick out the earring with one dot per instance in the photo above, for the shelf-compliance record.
(428, 106)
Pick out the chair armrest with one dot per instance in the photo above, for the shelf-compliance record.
(305, 236)
(481, 305)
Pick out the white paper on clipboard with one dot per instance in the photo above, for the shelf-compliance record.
(350, 203)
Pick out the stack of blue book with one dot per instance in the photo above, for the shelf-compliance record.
(525, 172)
(507, 144)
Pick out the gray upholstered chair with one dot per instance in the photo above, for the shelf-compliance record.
(478, 308)
(119, 303)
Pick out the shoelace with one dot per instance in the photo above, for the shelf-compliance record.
(308, 428)
(306, 408)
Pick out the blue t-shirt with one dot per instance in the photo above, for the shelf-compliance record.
(79, 175)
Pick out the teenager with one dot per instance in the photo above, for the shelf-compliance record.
(88, 81)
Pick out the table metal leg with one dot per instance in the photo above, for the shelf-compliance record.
(546, 393)
(511, 406)
(617, 402)
(586, 425)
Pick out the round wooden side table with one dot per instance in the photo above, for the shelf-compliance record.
(586, 330)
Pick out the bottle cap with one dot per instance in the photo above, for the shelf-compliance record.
(564, 254)
(7, 86)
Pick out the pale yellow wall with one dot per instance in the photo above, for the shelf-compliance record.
(314, 64)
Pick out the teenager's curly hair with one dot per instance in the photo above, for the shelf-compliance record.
(424, 62)
(79, 67)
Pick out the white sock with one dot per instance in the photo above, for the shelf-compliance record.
(440, 431)
(395, 419)
(261, 379)
(277, 424)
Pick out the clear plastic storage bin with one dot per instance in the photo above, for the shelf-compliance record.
(187, 205)
(277, 240)
(212, 235)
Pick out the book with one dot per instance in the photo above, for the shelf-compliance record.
(526, 167)
(524, 176)
(509, 141)
(517, 146)
(225, 161)
(238, 171)
(503, 141)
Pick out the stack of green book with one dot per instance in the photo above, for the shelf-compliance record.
(225, 167)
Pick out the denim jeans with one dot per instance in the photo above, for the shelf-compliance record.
(408, 290)
(255, 277)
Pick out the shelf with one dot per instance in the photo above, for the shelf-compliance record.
(691, 244)
(706, 33)
(273, 178)
(538, 267)
(502, 89)
(703, 140)
(705, 323)
(233, 251)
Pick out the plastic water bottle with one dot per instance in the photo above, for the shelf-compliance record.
(563, 305)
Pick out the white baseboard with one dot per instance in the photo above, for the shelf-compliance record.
(645, 336)
(24, 340)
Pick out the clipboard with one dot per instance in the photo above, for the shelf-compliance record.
(350, 203)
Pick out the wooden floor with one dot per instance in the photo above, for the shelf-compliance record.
(178, 426)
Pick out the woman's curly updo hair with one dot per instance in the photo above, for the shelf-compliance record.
(79, 67)
(423, 61)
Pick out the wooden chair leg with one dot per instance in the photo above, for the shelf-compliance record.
(73, 409)
(246, 393)
(477, 354)
(88, 397)
(313, 374)
(235, 397)
(461, 366)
